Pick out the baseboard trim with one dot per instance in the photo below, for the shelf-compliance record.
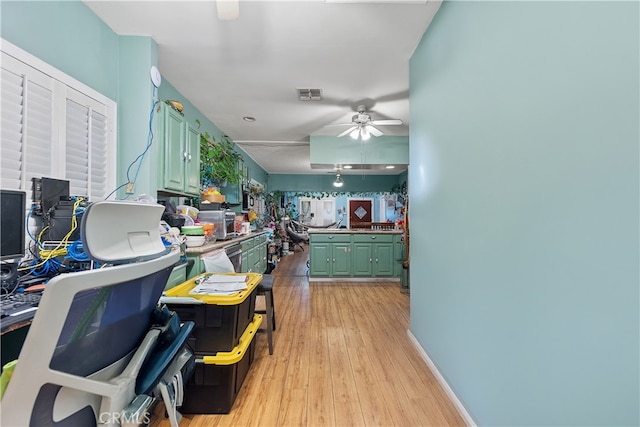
(434, 370)
(340, 279)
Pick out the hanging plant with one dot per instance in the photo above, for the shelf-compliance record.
(218, 162)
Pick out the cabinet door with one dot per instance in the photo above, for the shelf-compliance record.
(398, 254)
(383, 259)
(362, 259)
(192, 161)
(251, 260)
(320, 259)
(245, 261)
(262, 251)
(341, 259)
(174, 153)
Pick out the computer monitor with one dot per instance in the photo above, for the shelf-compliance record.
(12, 224)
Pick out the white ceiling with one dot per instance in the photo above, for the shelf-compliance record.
(356, 51)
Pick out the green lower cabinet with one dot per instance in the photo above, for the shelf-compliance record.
(320, 258)
(196, 268)
(398, 254)
(383, 260)
(341, 259)
(357, 255)
(245, 262)
(254, 255)
(362, 259)
(178, 275)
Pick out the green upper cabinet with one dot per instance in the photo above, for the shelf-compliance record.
(179, 154)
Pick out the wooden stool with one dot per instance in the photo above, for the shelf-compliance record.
(265, 289)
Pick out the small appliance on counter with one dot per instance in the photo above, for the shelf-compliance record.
(223, 221)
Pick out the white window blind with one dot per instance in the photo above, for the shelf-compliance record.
(27, 121)
(54, 126)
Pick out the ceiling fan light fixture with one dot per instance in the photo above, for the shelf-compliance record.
(364, 134)
(354, 134)
(338, 182)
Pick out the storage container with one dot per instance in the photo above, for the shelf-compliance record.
(217, 379)
(220, 319)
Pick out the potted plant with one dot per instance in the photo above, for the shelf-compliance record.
(218, 162)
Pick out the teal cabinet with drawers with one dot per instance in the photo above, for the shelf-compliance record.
(330, 255)
(254, 254)
(357, 255)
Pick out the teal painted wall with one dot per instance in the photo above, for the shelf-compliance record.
(67, 35)
(136, 98)
(524, 209)
(382, 150)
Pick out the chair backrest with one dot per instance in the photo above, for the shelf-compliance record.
(90, 334)
(297, 237)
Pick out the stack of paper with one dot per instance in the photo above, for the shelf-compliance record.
(221, 285)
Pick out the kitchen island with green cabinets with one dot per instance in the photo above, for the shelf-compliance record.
(356, 255)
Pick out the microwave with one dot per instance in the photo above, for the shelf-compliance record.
(223, 220)
(247, 201)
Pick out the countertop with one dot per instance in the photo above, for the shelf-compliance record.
(220, 244)
(351, 231)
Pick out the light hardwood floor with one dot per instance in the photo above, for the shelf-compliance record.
(342, 357)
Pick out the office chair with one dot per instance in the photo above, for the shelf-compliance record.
(92, 333)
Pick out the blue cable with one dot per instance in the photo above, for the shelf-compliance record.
(140, 156)
(150, 137)
(75, 251)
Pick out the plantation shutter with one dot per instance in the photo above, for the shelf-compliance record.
(54, 126)
(86, 138)
(27, 124)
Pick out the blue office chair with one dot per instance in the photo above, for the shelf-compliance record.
(95, 332)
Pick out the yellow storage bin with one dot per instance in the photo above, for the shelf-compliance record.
(217, 379)
(219, 320)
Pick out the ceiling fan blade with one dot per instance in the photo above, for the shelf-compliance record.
(339, 124)
(373, 130)
(386, 122)
(351, 129)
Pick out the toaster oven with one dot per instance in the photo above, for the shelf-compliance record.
(223, 221)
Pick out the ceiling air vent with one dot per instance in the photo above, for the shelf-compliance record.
(309, 94)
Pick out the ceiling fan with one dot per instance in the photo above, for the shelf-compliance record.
(362, 126)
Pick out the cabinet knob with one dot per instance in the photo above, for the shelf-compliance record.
(184, 155)
(370, 260)
(373, 237)
(376, 260)
(189, 157)
(328, 260)
(334, 260)
(331, 237)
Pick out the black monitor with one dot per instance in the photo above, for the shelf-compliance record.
(12, 224)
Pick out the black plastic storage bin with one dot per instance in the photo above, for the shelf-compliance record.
(216, 380)
(219, 320)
